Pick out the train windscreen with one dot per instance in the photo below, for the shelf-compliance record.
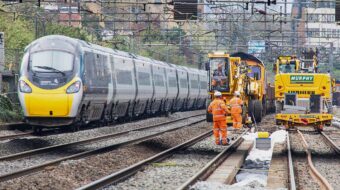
(51, 61)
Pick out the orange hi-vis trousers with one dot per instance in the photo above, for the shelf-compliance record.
(237, 120)
(220, 131)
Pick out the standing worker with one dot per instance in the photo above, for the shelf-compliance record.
(236, 110)
(219, 110)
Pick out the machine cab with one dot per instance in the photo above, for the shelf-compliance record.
(218, 69)
(286, 64)
(309, 63)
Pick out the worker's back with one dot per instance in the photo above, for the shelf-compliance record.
(236, 105)
(218, 109)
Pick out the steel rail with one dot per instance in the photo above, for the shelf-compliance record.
(292, 183)
(99, 138)
(36, 168)
(4, 126)
(8, 137)
(207, 170)
(330, 142)
(322, 181)
(127, 172)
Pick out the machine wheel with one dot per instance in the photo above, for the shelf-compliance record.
(258, 110)
(264, 106)
(251, 109)
(209, 117)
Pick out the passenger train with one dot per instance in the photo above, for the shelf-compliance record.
(66, 81)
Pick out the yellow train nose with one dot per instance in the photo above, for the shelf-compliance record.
(48, 105)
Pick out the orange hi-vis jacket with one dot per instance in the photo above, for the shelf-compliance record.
(236, 105)
(218, 109)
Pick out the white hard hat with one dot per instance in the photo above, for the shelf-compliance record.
(237, 93)
(217, 93)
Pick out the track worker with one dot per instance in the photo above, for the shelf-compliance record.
(236, 110)
(219, 110)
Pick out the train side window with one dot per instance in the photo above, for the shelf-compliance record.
(144, 79)
(89, 66)
(158, 80)
(203, 85)
(172, 82)
(194, 84)
(105, 68)
(184, 83)
(124, 77)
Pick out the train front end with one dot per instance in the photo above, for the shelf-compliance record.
(49, 86)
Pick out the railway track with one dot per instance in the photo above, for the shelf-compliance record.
(321, 180)
(315, 152)
(5, 126)
(159, 161)
(15, 136)
(86, 141)
(46, 132)
(146, 135)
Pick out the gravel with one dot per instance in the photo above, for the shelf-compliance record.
(318, 145)
(165, 175)
(9, 132)
(304, 180)
(329, 168)
(24, 144)
(6, 167)
(74, 173)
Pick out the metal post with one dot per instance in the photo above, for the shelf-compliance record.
(331, 58)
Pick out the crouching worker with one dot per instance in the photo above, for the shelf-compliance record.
(219, 110)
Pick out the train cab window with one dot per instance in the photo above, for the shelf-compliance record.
(172, 82)
(219, 74)
(255, 70)
(287, 68)
(51, 61)
(184, 83)
(144, 79)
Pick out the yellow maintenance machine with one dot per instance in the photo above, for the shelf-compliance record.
(302, 96)
(238, 72)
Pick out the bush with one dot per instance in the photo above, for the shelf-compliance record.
(8, 111)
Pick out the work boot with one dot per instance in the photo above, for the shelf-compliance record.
(225, 142)
(217, 142)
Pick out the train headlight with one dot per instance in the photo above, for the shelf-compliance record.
(24, 87)
(73, 88)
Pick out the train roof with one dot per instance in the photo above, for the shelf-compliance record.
(76, 43)
(246, 56)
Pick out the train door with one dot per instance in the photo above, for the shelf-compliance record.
(144, 86)
(96, 77)
(160, 90)
(125, 93)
